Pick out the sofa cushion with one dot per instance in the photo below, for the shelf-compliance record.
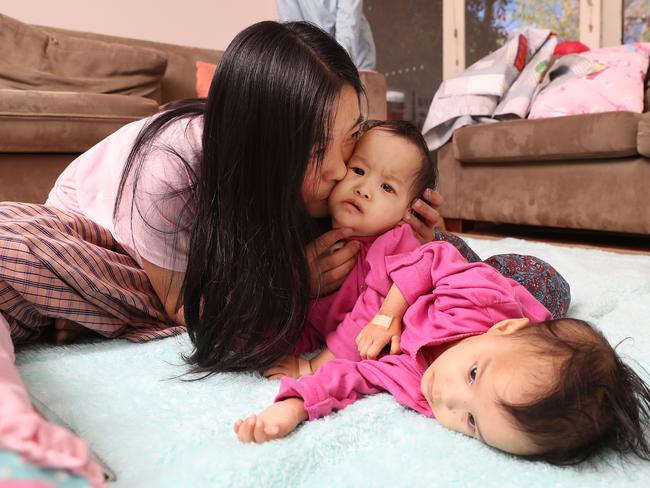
(40, 121)
(576, 137)
(179, 80)
(32, 58)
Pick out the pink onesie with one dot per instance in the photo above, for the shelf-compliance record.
(327, 312)
(449, 299)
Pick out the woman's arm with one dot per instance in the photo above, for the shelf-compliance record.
(295, 367)
(167, 285)
(321, 358)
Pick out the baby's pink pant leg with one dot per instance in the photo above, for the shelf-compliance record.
(27, 433)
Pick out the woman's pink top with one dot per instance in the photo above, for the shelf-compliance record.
(89, 186)
(449, 299)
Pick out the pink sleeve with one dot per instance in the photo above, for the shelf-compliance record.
(439, 263)
(157, 221)
(327, 312)
(397, 241)
(315, 330)
(308, 341)
(448, 297)
(341, 341)
(155, 218)
(418, 272)
(340, 383)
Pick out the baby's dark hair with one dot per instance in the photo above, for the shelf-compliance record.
(598, 402)
(428, 175)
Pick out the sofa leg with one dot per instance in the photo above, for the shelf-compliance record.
(454, 225)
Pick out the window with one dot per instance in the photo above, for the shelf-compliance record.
(636, 20)
(490, 23)
(408, 38)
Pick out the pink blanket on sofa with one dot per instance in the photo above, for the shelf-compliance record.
(615, 83)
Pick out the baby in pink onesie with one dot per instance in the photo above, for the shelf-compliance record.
(468, 346)
(389, 168)
(483, 357)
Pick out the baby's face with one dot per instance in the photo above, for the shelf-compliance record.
(376, 191)
(465, 384)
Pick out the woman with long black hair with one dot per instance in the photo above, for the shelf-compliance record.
(201, 216)
(216, 201)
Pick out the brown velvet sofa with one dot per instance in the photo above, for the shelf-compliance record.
(42, 131)
(577, 172)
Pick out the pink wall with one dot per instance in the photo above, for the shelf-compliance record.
(202, 23)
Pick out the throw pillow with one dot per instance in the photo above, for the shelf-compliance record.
(204, 74)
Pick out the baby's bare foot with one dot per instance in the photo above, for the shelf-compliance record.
(67, 331)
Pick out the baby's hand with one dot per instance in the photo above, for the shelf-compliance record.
(276, 421)
(373, 338)
(288, 366)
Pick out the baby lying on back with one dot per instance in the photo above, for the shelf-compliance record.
(468, 346)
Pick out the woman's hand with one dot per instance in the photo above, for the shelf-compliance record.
(328, 268)
(289, 365)
(274, 422)
(425, 215)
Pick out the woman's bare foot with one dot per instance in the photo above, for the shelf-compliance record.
(66, 331)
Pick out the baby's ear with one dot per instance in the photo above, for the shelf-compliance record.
(509, 326)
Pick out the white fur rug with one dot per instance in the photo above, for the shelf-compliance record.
(155, 430)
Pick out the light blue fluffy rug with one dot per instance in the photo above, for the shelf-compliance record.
(156, 431)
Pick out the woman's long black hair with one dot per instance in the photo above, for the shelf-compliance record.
(269, 112)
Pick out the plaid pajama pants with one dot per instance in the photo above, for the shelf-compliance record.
(56, 264)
